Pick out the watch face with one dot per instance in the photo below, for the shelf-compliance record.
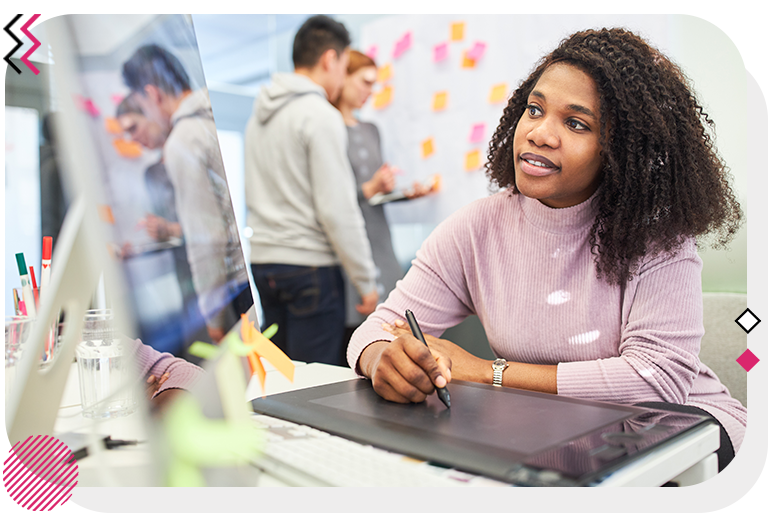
(500, 363)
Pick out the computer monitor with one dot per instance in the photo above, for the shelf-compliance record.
(152, 216)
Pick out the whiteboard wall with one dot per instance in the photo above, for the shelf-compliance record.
(514, 43)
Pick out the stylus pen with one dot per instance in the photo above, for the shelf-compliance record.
(442, 393)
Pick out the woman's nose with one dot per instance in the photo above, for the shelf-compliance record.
(544, 134)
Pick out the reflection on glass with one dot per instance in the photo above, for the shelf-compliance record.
(166, 193)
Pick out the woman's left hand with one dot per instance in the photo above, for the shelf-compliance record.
(466, 366)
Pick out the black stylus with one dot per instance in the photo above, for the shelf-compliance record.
(442, 393)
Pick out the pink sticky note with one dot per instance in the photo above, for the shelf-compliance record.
(402, 45)
(441, 52)
(477, 51)
(478, 131)
(91, 108)
(116, 99)
(372, 51)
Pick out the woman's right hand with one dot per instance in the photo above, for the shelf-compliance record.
(383, 181)
(405, 370)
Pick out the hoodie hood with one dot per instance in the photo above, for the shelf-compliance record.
(285, 88)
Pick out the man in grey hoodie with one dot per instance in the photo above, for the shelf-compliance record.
(302, 205)
(196, 171)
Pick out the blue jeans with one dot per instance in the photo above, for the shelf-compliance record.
(307, 304)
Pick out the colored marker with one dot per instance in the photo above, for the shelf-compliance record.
(45, 271)
(26, 287)
(35, 290)
(16, 302)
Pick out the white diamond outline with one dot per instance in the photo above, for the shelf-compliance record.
(753, 325)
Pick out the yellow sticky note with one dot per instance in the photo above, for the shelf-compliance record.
(269, 351)
(427, 148)
(457, 31)
(472, 160)
(466, 62)
(385, 73)
(437, 182)
(382, 98)
(498, 93)
(440, 101)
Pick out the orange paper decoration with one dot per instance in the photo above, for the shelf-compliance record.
(472, 160)
(440, 101)
(466, 62)
(427, 148)
(498, 93)
(128, 149)
(457, 31)
(382, 98)
(385, 73)
(112, 126)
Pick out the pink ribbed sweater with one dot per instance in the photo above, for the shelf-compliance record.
(527, 271)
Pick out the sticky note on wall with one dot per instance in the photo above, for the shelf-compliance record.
(385, 73)
(383, 98)
(498, 93)
(440, 101)
(477, 133)
(466, 62)
(440, 52)
(128, 149)
(477, 51)
(457, 31)
(403, 44)
(472, 160)
(427, 148)
(372, 51)
(112, 126)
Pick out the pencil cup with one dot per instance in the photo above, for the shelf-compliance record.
(106, 382)
(17, 331)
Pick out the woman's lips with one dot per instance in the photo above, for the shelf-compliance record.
(534, 164)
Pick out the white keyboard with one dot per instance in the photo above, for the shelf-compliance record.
(303, 456)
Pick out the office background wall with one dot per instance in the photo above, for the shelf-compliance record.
(691, 42)
(239, 53)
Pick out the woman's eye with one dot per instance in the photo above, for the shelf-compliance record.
(533, 110)
(575, 124)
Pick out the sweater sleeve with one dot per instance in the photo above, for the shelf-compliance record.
(334, 195)
(662, 326)
(434, 288)
(181, 373)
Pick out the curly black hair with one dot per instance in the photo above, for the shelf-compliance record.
(662, 179)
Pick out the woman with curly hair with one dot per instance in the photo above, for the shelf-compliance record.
(583, 269)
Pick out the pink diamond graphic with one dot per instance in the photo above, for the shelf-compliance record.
(747, 360)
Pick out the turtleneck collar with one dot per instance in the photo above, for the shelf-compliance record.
(567, 220)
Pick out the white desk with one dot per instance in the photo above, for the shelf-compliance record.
(688, 460)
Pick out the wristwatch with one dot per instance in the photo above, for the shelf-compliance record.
(498, 369)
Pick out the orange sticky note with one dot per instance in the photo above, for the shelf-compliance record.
(472, 160)
(427, 148)
(437, 182)
(128, 149)
(382, 98)
(112, 126)
(498, 93)
(385, 73)
(264, 348)
(440, 101)
(466, 62)
(457, 31)
(105, 213)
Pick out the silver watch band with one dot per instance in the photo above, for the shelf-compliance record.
(497, 375)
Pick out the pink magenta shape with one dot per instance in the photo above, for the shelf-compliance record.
(402, 45)
(372, 51)
(478, 131)
(441, 51)
(747, 360)
(34, 47)
(477, 51)
(24, 491)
